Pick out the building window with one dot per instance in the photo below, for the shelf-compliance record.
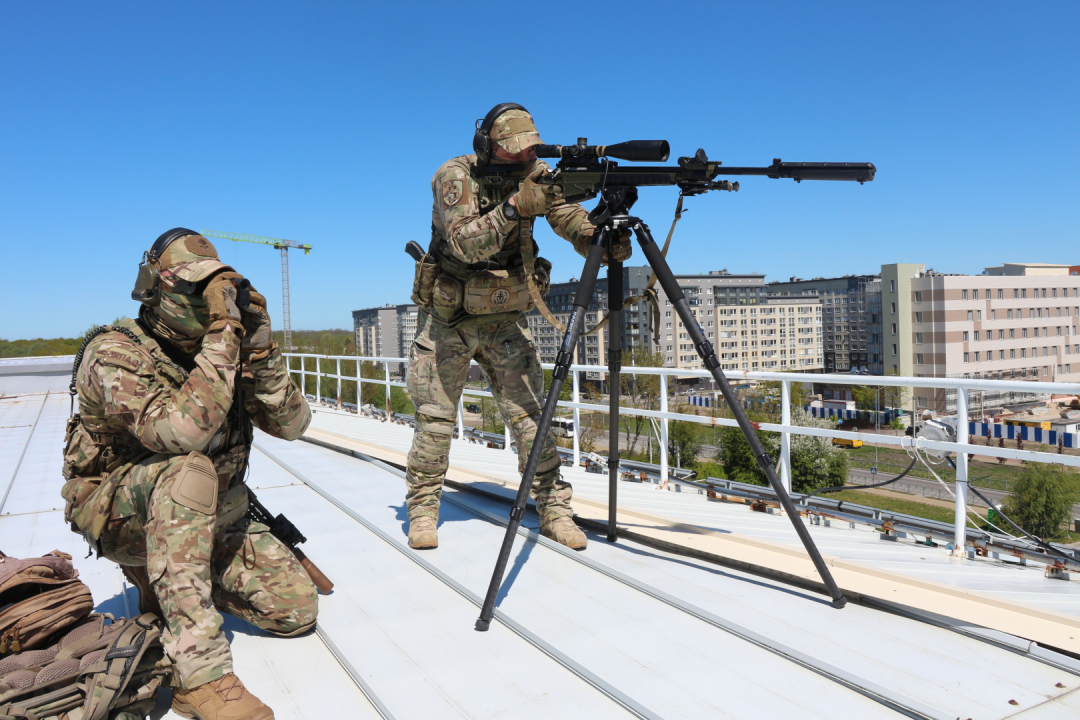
(976, 356)
(1023, 294)
(1046, 369)
(1012, 334)
(1023, 333)
(1012, 354)
(965, 297)
(1001, 354)
(976, 294)
(919, 359)
(892, 286)
(1054, 294)
(965, 336)
(967, 357)
(918, 317)
(993, 314)
(1044, 295)
(894, 350)
(1023, 352)
(978, 314)
(970, 316)
(1016, 294)
(918, 296)
(918, 338)
(1010, 315)
(924, 402)
(894, 328)
(1001, 295)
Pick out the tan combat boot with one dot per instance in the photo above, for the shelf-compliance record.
(223, 699)
(423, 533)
(563, 531)
(137, 576)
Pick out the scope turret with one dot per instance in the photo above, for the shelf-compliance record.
(632, 150)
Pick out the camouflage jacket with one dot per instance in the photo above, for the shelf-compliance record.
(136, 400)
(468, 224)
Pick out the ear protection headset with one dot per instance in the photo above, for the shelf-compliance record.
(482, 138)
(148, 283)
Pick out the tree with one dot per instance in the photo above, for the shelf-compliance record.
(865, 397)
(684, 443)
(891, 395)
(640, 391)
(815, 461)
(1042, 499)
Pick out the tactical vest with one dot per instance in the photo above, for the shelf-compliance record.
(452, 291)
(99, 451)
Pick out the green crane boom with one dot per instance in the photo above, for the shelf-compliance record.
(283, 246)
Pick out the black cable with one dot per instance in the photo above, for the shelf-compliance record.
(846, 487)
(1050, 550)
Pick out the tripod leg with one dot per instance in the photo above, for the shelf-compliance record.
(614, 328)
(563, 360)
(705, 350)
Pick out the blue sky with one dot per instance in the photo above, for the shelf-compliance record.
(323, 122)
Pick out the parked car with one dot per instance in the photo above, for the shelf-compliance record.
(473, 408)
(845, 442)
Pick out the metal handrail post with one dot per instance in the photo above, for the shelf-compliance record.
(359, 388)
(303, 375)
(577, 419)
(338, 383)
(386, 372)
(785, 437)
(506, 436)
(960, 515)
(318, 380)
(663, 429)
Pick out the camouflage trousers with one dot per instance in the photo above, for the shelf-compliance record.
(197, 570)
(438, 366)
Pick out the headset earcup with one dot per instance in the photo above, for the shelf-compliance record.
(147, 286)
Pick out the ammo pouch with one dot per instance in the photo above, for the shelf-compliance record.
(427, 271)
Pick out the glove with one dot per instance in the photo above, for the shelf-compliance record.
(534, 199)
(257, 334)
(621, 247)
(220, 298)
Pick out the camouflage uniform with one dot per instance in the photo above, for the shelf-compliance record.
(147, 411)
(471, 233)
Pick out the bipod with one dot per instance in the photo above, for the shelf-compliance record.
(611, 219)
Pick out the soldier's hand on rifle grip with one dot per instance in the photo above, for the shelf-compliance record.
(533, 198)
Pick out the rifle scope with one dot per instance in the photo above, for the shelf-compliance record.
(632, 150)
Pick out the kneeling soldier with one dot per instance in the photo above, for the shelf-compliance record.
(155, 463)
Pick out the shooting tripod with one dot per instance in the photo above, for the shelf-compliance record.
(611, 218)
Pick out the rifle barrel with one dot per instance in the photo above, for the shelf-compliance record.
(858, 172)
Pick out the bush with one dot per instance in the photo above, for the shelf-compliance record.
(1042, 499)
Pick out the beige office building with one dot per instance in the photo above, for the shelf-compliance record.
(1016, 322)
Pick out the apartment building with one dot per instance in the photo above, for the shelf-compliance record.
(1015, 322)
(386, 331)
(851, 313)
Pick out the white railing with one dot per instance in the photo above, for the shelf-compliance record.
(961, 386)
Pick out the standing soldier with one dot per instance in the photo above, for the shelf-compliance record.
(473, 291)
(155, 463)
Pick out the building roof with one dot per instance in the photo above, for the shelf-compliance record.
(620, 630)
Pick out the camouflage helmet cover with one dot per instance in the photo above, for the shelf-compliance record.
(192, 258)
(514, 131)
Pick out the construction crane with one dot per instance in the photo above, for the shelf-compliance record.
(283, 246)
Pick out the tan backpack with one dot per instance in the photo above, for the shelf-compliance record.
(96, 671)
(39, 597)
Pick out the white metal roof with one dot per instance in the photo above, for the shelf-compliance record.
(617, 630)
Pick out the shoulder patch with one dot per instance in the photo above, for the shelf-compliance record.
(452, 192)
(121, 360)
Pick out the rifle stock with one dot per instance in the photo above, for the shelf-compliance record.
(290, 536)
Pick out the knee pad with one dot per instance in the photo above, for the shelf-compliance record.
(196, 487)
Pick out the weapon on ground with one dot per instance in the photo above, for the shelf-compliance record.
(283, 529)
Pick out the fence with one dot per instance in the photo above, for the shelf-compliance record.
(1028, 434)
(961, 386)
(884, 417)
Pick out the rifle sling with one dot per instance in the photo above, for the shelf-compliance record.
(650, 295)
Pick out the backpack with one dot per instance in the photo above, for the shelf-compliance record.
(39, 597)
(97, 671)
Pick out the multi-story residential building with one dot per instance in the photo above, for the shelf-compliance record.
(851, 310)
(386, 331)
(1015, 322)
